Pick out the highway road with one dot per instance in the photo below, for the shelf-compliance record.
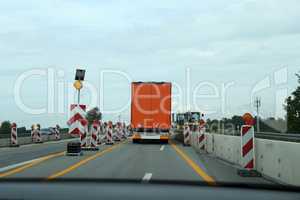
(124, 160)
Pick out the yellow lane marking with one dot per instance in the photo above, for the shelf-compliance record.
(82, 162)
(193, 165)
(33, 163)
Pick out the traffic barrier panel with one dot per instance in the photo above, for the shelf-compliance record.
(99, 133)
(118, 132)
(247, 144)
(187, 135)
(201, 136)
(94, 135)
(14, 136)
(201, 140)
(78, 113)
(83, 133)
(36, 133)
(248, 152)
(57, 132)
(124, 130)
(109, 133)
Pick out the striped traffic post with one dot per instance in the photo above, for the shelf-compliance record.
(248, 148)
(38, 134)
(119, 131)
(201, 137)
(109, 133)
(124, 130)
(57, 132)
(14, 136)
(94, 135)
(186, 135)
(99, 132)
(83, 133)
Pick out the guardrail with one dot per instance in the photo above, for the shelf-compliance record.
(279, 136)
(5, 142)
(290, 137)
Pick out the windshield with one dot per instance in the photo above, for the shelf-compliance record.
(204, 91)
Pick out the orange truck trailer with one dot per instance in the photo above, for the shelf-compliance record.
(151, 111)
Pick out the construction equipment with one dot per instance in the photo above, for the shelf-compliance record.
(151, 111)
(180, 121)
(191, 118)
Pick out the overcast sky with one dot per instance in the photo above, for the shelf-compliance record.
(249, 48)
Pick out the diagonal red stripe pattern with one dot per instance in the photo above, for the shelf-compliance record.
(245, 130)
(247, 147)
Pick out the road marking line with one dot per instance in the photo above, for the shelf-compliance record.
(194, 166)
(147, 177)
(162, 147)
(82, 162)
(46, 142)
(30, 164)
(4, 169)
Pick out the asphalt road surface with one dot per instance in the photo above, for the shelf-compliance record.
(124, 160)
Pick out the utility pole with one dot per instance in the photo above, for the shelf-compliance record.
(257, 104)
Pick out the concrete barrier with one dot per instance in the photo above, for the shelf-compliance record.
(279, 160)
(5, 142)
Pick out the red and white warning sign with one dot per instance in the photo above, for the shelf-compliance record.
(83, 134)
(247, 147)
(186, 135)
(95, 132)
(109, 133)
(201, 137)
(14, 135)
(78, 113)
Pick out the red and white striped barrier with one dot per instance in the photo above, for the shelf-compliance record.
(201, 139)
(14, 135)
(187, 135)
(124, 130)
(78, 113)
(94, 135)
(57, 132)
(119, 132)
(201, 136)
(99, 139)
(109, 133)
(36, 133)
(247, 147)
(83, 133)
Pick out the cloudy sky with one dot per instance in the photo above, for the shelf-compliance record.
(218, 54)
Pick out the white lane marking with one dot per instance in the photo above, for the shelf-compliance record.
(147, 177)
(33, 144)
(162, 147)
(3, 169)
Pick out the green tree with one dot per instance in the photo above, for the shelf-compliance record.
(5, 129)
(293, 110)
(237, 121)
(93, 114)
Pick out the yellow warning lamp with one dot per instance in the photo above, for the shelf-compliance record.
(77, 85)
